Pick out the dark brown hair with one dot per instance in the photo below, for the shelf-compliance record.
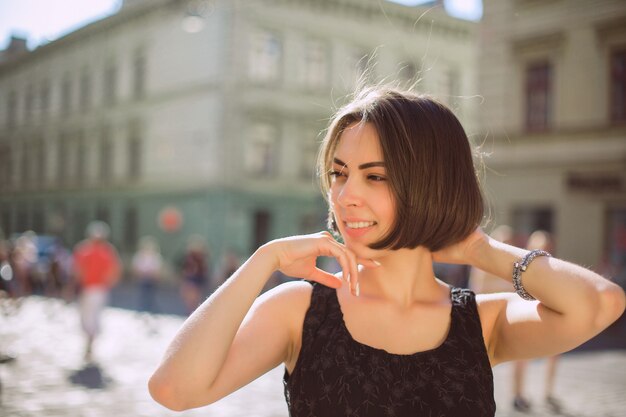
(428, 162)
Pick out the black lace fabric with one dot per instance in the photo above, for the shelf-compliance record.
(337, 376)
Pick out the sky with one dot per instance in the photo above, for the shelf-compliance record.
(42, 21)
(45, 20)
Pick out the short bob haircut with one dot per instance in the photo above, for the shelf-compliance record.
(428, 163)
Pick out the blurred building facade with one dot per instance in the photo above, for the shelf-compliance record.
(553, 76)
(176, 117)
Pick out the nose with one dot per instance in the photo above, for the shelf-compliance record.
(350, 193)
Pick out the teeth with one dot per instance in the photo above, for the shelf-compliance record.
(359, 225)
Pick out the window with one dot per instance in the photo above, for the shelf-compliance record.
(110, 84)
(538, 97)
(139, 74)
(265, 57)
(313, 71)
(80, 152)
(66, 95)
(85, 90)
(106, 155)
(11, 109)
(62, 149)
(29, 101)
(40, 162)
(618, 86)
(25, 164)
(44, 98)
(134, 151)
(309, 154)
(260, 154)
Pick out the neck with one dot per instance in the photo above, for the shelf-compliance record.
(404, 277)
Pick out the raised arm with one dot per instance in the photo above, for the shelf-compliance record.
(573, 303)
(233, 337)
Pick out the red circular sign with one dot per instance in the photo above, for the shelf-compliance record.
(170, 219)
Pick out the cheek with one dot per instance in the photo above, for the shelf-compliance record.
(388, 208)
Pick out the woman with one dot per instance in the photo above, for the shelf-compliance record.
(147, 267)
(195, 273)
(387, 338)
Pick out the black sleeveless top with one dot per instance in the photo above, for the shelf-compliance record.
(337, 376)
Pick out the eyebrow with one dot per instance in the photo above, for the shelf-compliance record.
(362, 166)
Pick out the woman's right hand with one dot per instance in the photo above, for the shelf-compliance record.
(296, 256)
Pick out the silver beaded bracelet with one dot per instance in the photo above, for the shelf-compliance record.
(519, 267)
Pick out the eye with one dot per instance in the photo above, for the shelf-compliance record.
(336, 174)
(376, 178)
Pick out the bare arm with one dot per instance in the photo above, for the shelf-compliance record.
(573, 303)
(231, 339)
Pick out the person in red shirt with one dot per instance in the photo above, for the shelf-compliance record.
(97, 269)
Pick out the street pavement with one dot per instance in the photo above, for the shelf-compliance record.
(49, 377)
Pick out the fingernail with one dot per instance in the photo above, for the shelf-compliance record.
(358, 289)
(348, 279)
(376, 262)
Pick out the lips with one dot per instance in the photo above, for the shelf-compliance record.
(359, 225)
(355, 228)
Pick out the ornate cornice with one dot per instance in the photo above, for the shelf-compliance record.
(545, 42)
(415, 18)
(614, 27)
(107, 24)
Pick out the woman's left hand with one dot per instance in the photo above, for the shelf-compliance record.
(462, 252)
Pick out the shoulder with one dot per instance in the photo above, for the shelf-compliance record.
(288, 304)
(294, 296)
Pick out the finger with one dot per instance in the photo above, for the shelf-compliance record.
(354, 272)
(325, 278)
(332, 248)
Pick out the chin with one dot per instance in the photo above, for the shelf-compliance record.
(362, 249)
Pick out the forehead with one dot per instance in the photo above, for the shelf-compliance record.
(359, 142)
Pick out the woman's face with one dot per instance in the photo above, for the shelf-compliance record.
(360, 194)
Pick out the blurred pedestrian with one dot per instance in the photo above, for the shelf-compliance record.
(387, 338)
(24, 257)
(195, 273)
(147, 268)
(7, 281)
(61, 270)
(97, 269)
(228, 266)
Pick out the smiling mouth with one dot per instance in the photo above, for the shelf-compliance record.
(359, 225)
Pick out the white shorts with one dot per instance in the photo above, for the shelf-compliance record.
(91, 303)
